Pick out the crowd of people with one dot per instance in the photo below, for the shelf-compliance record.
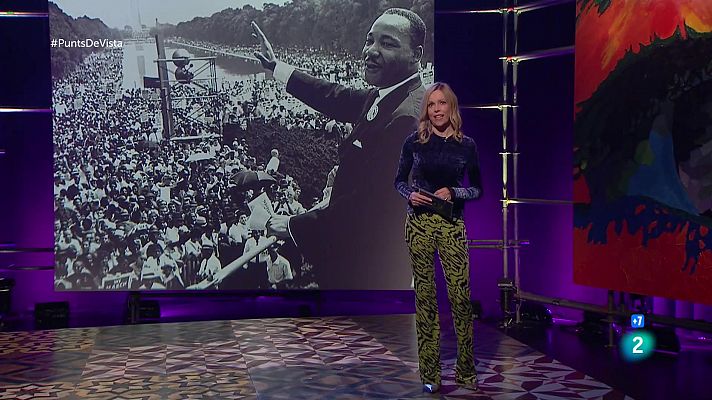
(340, 67)
(138, 210)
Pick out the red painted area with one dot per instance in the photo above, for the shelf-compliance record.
(601, 41)
(581, 192)
(624, 264)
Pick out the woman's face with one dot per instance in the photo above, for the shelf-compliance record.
(438, 109)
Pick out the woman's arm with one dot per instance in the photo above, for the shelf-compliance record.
(404, 166)
(472, 167)
(401, 182)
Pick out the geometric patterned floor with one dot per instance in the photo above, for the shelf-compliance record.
(365, 357)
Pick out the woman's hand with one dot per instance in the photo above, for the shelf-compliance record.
(417, 199)
(444, 193)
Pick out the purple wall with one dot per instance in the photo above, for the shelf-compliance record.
(468, 60)
(467, 51)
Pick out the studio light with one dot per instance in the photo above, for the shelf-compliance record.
(149, 309)
(535, 313)
(52, 315)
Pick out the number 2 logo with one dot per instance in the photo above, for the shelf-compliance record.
(636, 348)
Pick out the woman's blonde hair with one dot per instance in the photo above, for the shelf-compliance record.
(425, 128)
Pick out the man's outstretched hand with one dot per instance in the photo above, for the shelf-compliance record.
(266, 54)
(278, 225)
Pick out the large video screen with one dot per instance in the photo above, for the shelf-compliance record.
(234, 145)
(643, 136)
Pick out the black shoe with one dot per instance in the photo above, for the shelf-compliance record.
(431, 387)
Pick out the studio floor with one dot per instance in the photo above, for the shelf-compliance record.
(373, 357)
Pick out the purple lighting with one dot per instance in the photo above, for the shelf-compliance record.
(22, 14)
(25, 110)
(564, 321)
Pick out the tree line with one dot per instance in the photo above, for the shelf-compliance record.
(332, 25)
(68, 28)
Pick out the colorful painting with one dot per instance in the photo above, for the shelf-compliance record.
(643, 147)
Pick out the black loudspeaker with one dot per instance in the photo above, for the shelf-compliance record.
(149, 309)
(304, 311)
(593, 327)
(6, 286)
(52, 315)
(476, 309)
(535, 313)
(665, 338)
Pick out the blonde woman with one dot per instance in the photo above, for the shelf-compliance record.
(438, 156)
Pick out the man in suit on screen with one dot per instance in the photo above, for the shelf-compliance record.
(356, 242)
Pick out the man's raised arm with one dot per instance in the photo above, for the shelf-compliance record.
(335, 101)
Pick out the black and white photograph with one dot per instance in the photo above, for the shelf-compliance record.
(234, 145)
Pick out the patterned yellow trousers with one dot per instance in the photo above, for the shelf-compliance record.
(426, 233)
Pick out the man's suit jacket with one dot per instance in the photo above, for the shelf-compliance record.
(358, 241)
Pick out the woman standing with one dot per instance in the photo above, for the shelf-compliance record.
(439, 156)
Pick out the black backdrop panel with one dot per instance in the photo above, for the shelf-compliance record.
(25, 69)
(24, 5)
(473, 51)
(545, 124)
(26, 180)
(547, 28)
(459, 5)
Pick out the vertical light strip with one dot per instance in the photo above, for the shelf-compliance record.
(515, 159)
(505, 171)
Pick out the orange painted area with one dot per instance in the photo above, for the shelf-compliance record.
(624, 264)
(601, 41)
